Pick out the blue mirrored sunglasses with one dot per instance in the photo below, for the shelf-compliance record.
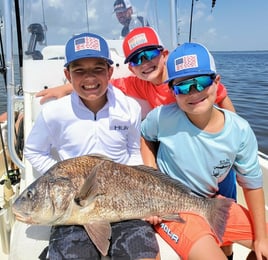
(199, 83)
(148, 55)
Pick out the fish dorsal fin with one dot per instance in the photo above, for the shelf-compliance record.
(88, 191)
(101, 156)
(145, 168)
(100, 234)
(162, 176)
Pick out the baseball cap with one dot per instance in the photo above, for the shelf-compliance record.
(140, 39)
(86, 45)
(190, 59)
(121, 5)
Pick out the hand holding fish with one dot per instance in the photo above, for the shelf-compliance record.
(154, 220)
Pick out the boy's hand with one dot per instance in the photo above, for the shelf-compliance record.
(154, 220)
(53, 93)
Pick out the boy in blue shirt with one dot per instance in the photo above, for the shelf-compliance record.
(198, 145)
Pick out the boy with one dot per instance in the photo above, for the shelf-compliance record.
(199, 144)
(96, 118)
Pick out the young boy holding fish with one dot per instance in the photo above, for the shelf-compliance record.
(96, 118)
(198, 145)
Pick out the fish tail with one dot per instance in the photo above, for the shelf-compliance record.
(219, 214)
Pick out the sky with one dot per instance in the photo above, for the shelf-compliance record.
(233, 25)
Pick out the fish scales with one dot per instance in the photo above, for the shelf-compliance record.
(158, 190)
(94, 191)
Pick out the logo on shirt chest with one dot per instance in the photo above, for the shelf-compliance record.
(119, 127)
(221, 169)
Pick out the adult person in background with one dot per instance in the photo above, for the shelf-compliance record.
(124, 13)
(95, 119)
(199, 144)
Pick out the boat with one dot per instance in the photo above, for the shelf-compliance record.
(34, 33)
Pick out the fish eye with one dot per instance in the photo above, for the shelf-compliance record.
(30, 194)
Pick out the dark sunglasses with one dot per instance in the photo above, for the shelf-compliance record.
(148, 55)
(199, 83)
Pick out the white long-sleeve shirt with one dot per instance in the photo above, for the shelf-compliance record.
(69, 127)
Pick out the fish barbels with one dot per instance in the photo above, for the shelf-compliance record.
(94, 191)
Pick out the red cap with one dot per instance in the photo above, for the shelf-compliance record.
(140, 39)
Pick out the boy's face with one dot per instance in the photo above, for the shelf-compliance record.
(197, 103)
(89, 77)
(151, 70)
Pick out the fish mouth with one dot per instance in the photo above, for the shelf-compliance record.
(24, 218)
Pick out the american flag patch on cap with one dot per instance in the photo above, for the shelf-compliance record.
(87, 43)
(137, 40)
(186, 62)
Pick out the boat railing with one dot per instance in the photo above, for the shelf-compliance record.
(263, 155)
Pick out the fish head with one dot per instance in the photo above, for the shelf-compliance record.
(46, 201)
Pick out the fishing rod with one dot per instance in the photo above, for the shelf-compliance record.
(191, 20)
(3, 69)
(213, 3)
(19, 35)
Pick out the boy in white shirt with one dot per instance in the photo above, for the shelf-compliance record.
(95, 119)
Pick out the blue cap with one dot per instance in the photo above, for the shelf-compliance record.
(86, 45)
(190, 59)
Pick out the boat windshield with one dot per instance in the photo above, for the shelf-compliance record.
(53, 22)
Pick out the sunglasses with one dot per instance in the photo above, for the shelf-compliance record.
(199, 83)
(148, 55)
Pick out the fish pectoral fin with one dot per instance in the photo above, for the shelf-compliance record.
(173, 217)
(89, 190)
(100, 234)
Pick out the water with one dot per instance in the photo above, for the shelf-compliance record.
(245, 75)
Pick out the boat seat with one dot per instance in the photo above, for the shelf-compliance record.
(53, 52)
